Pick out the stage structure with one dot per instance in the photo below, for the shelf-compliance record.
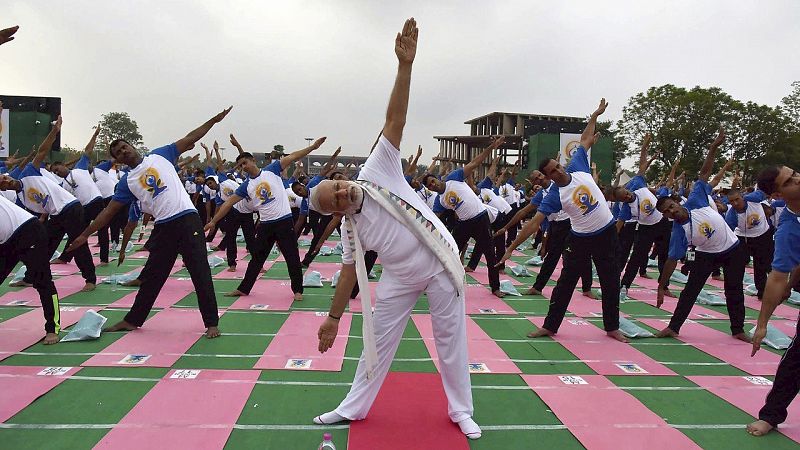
(25, 123)
(531, 137)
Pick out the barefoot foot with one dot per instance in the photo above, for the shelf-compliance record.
(742, 337)
(58, 261)
(589, 294)
(468, 269)
(298, 296)
(232, 269)
(759, 428)
(134, 282)
(235, 293)
(120, 326)
(19, 283)
(212, 332)
(541, 332)
(616, 334)
(533, 291)
(666, 332)
(50, 339)
(88, 287)
(498, 294)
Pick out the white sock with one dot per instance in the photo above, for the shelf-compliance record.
(329, 418)
(470, 428)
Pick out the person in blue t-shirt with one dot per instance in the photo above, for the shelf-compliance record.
(154, 181)
(785, 271)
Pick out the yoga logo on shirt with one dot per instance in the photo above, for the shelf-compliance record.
(647, 207)
(264, 193)
(452, 200)
(486, 198)
(583, 199)
(37, 197)
(228, 192)
(753, 220)
(151, 182)
(706, 229)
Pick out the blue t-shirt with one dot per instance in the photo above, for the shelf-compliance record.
(697, 199)
(486, 183)
(456, 175)
(787, 242)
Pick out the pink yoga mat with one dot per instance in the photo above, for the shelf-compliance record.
(698, 312)
(627, 423)
(65, 286)
(197, 413)
(172, 292)
(604, 355)
(64, 269)
(480, 300)
(325, 269)
(22, 385)
(783, 310)
(241, 252)
(355, 304)
(162, 340)
(580, 305)
(295, 347)
(272, 295)
(20, 332)
(722, 346)
(409, 412)
(481, 275)
(651, 283)
(749, 394)
(484, 354)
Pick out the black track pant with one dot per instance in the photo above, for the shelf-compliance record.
(90, 213)
(369, 261)
(117, 224)
(29, 245)
(785, 387)
(557, 235)
(511, 236)
(184, 236)
(761, 249)
(499, 247)
(578, 256)
(267, 234)
(646, 236)
(626, 237)
(733, 263)
(319, 230)
(478, 228)
(70, 222)
(231, 224)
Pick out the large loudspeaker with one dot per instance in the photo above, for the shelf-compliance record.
(29, 121)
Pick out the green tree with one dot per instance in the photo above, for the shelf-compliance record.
(279, 148)
(790, 105)
(117, 125)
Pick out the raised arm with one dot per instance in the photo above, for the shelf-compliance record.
(89, 149)
(620, 170)
(412, 165)
(643, 162)
(217, 154)
(595, 173)
(44, 148)
(721, 174)
(207, 161)
(300, 154)
(671, 178)
(492, 172)
(236, 144)
(7, 34)
(476, 162)
(708, 164)
(330, 164)
(405, 47)
(589, 136)
(187, 142)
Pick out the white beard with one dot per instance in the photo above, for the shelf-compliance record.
(356, 199)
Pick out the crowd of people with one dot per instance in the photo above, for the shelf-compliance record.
(419, 225)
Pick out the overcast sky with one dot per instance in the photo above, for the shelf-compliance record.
(297, 69)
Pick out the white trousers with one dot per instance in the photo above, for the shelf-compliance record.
(393, 307)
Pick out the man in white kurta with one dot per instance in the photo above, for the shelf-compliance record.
(409, 268)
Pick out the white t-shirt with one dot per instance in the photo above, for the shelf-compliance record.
(41, 195)
(266, 193)
(226, 189)
(553, 217)
(104, 180)
(706, 228)
(83, 186)
(157, 186)
(490, 198)
(509, 194)
(294, 200)
(401, 254)
(583, 202)
(11, 218)
(459, 197)
(427, 196)
(750, 223)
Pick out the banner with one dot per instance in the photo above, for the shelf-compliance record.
(568, 142)
(4, 145)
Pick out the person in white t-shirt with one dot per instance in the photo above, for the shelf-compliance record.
(593, 237)
(155, 183)
(473, 217)
(23, 238)
(63, 212)
(700, 234)
(410, 267)
(264, 192)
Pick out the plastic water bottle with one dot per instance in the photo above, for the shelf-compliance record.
(327, 443)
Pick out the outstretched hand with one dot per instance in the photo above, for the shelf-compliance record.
(505, 257)
(234, 142)
(7, 34)
(218, 118)
(758, 335)
(327, 334)
(405, 44)
(601, 108)
(209, 228)
(660, 298)
(720, 139)
(77, 243)
(318, 143)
